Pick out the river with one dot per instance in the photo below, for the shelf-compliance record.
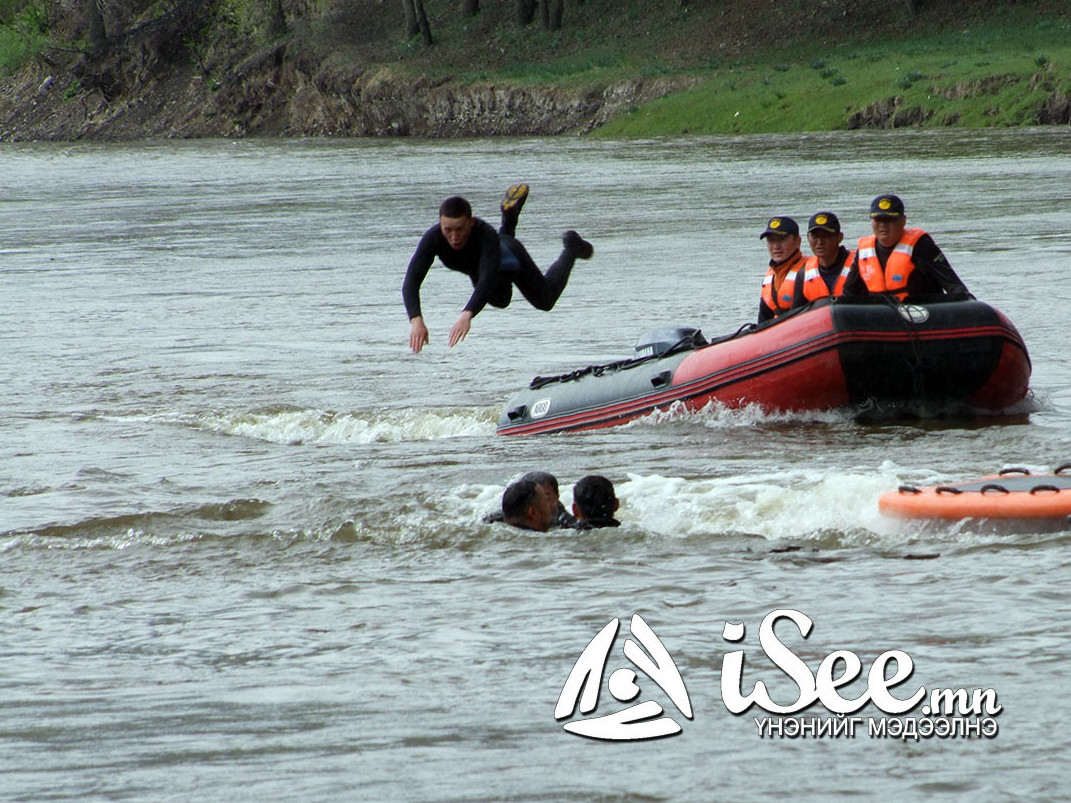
(240, 524)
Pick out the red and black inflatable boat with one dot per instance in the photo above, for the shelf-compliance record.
(933, 351)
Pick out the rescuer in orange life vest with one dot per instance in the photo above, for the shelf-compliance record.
(825, 273)
(782, 237)
(898, 261)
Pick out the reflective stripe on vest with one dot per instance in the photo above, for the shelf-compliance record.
(898, 267)
(814, 286)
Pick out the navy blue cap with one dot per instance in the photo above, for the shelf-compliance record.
(824, 221)
(887, 206)
(781, 227)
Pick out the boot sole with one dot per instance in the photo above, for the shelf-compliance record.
(515, 197)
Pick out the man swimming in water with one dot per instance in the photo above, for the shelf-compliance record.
(594, 503)
(494, 261)
(527, 505)
(562, 517)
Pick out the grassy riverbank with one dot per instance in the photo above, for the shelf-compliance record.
(621, 68)
(769, 67)
(1002, 71)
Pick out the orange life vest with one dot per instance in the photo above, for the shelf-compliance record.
(781, 300)
(814, 286)
(892, 280)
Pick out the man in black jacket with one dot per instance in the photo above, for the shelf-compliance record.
(494, 261)
(900, 262)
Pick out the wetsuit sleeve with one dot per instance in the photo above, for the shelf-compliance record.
(487, 275)
(419, 265)
(933, 263)
(765, 313)
(565, 520)
(854, 284)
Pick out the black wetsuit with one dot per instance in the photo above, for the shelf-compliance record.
(595, 524)
(494, 262)
(932, 273)
(564, 520)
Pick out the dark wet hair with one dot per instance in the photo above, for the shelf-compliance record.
(517, 497)
(594, 497)
(455, 206)
(542, 478)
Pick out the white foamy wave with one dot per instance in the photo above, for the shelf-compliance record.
(320, 427)
(789, 505)
(717, 415)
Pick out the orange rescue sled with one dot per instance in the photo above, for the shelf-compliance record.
(1014, 493)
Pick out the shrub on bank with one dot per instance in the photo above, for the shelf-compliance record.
(23, 33)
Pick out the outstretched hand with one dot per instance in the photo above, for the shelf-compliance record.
(418, 334)
(461, 328)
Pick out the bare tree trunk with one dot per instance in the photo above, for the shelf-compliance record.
(525, 12)
(276, 19)
(422, 22)
(97, 37)
(410, 19)
(470, 8)
(913, 6)
(557, 11)
(544, 14)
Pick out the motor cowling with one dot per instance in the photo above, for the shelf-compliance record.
(658, 342)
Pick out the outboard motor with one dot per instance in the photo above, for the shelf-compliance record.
(658, 342)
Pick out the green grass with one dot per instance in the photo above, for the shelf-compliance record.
(992, 71)
(982, 81)
(760, 99)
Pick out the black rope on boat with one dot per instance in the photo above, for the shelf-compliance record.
(1004, 472)
(745, 329)
(686, 343)
(916, 346)
(908, 489)
(1063, 468)
(992, 486)
(947, 489)
(598, 370)
(1040, 488)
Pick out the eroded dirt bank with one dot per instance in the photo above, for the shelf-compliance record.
(136, 94)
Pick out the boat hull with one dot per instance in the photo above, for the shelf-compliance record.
(829, 355)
